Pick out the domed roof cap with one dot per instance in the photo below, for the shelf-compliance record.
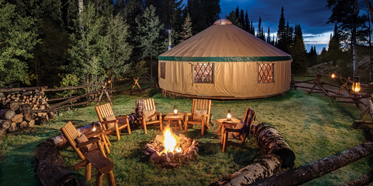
(222, 22)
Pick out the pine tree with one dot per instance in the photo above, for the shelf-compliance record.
(186, 32)
(237, 12)
(242, 19)
(298, 53)
(148, 32)
(232, 17)
(88, 47)
(269, 36)
(247, 23)
(203, 13)
(118, 49)
(260, 33)
(334, 47)
(281, 32)
(17, 41)
(252, 31)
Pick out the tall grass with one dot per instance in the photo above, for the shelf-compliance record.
(312, 128)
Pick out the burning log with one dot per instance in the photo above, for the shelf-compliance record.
(171, 151)
(262, 167)
(271, 142)
(51, 169)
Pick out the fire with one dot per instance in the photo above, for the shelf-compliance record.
(170, 142)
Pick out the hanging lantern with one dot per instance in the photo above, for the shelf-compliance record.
(356, 84)
(332, 75)
(229, 116)
(175, 110)
(109, 81)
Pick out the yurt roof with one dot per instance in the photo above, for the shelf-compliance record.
(224, 42)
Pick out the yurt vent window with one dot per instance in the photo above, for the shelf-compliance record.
(203, 73)
(265, 73)
(163, 69)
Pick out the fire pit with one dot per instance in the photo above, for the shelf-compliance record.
(170, 151)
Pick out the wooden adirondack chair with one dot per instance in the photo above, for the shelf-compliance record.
(149, 114)
(110, 122)
(200, 114)
(90, 155)
(241, 130)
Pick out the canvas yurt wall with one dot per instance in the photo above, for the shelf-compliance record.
(224, 62)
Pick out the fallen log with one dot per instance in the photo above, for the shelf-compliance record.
(18, 118)
(363, 180)
(271, 142)
(262, 167)
(21, 89)
(50, 167)
(31, 123)
(318, 168)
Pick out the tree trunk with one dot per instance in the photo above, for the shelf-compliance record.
(363, 180)
(7, 114)
(319, 168)
(262, 167)
(51, 169)
(271, 142)
(5, 124)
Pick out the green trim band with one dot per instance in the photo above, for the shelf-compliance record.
(225, 59)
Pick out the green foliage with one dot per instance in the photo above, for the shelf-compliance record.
(186, 31)
(88, 50)
(117, 49)
(138, 70)
(17, 40)
(203, 13)
(298, 53)
(67, 81)
(235, 20)
(343, 16)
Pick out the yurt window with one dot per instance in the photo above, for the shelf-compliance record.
(163, 69)
(203, 73)
(265, 73)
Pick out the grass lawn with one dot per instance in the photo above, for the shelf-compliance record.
(312, 128)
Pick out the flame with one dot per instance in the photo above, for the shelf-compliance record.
(170, 142)
(357, 89)
(333, 75)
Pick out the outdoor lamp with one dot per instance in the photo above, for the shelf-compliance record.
(356, 84)
(229, 116)
(332, 76)
(109, 81)
(175, 110)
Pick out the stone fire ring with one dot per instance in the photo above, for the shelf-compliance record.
(154, 149)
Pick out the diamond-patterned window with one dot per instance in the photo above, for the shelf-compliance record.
(203, 73)
(163, 69)
(265, 73)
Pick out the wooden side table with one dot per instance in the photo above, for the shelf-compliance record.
(170, 117)
(223, 123)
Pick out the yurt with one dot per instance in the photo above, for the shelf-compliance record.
(224, 62)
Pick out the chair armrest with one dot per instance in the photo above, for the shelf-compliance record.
(93, 133)
(91, 140)
(122, 117)
(232, 130)
(112, 121)
(188, 114)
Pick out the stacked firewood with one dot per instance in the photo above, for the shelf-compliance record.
(19, 110)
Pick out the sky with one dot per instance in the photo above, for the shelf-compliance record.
(312, 15)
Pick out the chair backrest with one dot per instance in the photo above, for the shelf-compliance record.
(70, 133)
(249, 111)
(149, 104)
(201, 104)
(103, 111)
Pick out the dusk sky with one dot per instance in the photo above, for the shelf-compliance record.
(312, 15)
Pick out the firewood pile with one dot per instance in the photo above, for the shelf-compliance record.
(155, 149)
(19, 110)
